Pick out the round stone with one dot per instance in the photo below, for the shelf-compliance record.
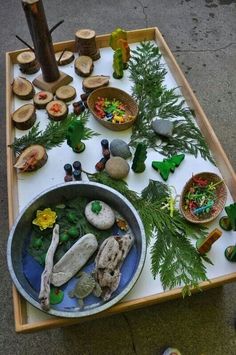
(102, 218)
(120, 148)
(117, 168)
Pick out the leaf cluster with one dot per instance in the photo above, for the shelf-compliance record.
(172, 254)
(147, 73)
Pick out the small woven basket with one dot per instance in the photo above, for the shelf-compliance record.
(110, 93)
(221, 195)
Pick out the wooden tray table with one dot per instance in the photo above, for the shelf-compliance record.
(147, 291)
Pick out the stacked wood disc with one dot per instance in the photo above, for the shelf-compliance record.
(85, 43)
(66, 93)
(57, 110)
(42, 98)
(94, 82)
(32, 158)
(27, 62)
(24, 117)
(23, 88)
(84, 65)
(64, 57)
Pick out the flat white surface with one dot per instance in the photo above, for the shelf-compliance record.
(31, 184)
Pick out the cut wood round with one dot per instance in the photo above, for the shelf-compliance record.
(23, 88)
(27, 62)
(66, 93)
(32, 158)
(83, 65)
(24, 117)
(85, 43)
(42, 98)
(94, 82)
(57, 110)
(64, 57)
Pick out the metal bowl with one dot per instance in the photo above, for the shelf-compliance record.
(22, 229)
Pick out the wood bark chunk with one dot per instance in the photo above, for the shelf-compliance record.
(42, 98)
(47, 272)
(27, 62)
(24, 117)
(57, 110)
(23, 88)
(65, 58)
(32, 158)
(83, 65)
(66, 93)
(94, 82)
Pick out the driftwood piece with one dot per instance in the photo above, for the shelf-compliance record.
(66, 93)
(64, 57)
(32, 158)
(42, 98)
(47, 272)
(43, 46)
(84, 65)
(57, 110)
(94, 82)
(85, 43)
(24, 117)
(27, 62)
(23, 88)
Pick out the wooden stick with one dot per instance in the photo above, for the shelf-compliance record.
(42, 39)
(25, 43)
(46, 275)
(55, 26)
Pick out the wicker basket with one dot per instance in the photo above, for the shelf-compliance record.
(120, 95)
(218, 206)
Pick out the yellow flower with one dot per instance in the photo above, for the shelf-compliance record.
(45, 219)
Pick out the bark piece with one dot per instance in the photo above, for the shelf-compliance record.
(85, 43)
(24, 117)
(42, 98)
(27, 62)
(74, 259)
(83, 65)
(57, 110)
(47, 272)
(32, 158)
(94, 82)
(64, 57)
(23, 88)
(66, 93)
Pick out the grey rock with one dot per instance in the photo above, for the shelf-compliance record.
(163, 127)
(120, 148)
(117, 168)
(102, 220)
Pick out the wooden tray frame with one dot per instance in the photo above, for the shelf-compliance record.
(20, 308)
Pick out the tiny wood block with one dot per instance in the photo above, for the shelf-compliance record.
(52, 87)
(204, 245)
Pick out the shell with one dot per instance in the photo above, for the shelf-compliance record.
(84, 286)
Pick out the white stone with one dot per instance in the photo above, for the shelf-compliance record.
(102, 220)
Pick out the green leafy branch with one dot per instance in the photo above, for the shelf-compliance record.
(54, 134)
(172, 254)
(147, 74)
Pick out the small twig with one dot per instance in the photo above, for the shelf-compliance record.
(61, 56)
(55, 26)
(20, 39)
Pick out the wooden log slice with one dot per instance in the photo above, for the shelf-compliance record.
(94, 82)
(27, 62)
(84, 65)
(66, 93)
(32, 158)
(85, 43)
(24, 117)
(23, 88)
(42, 98)
(57, 110)
(64, 57)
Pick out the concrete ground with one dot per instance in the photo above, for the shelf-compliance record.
(202, 36)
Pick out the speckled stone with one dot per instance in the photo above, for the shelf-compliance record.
(120, 148)
(163, 127)
(104, 219)
(117, 168)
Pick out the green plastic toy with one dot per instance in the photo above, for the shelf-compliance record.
(140, 156)
(168, 165)
(74, 135)
(118, 64)
(115, 36)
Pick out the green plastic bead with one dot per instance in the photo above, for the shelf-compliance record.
(64, 237)
(56, 296)
(72, 217)
(73, 232)
(37, 243)
(225, 223)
